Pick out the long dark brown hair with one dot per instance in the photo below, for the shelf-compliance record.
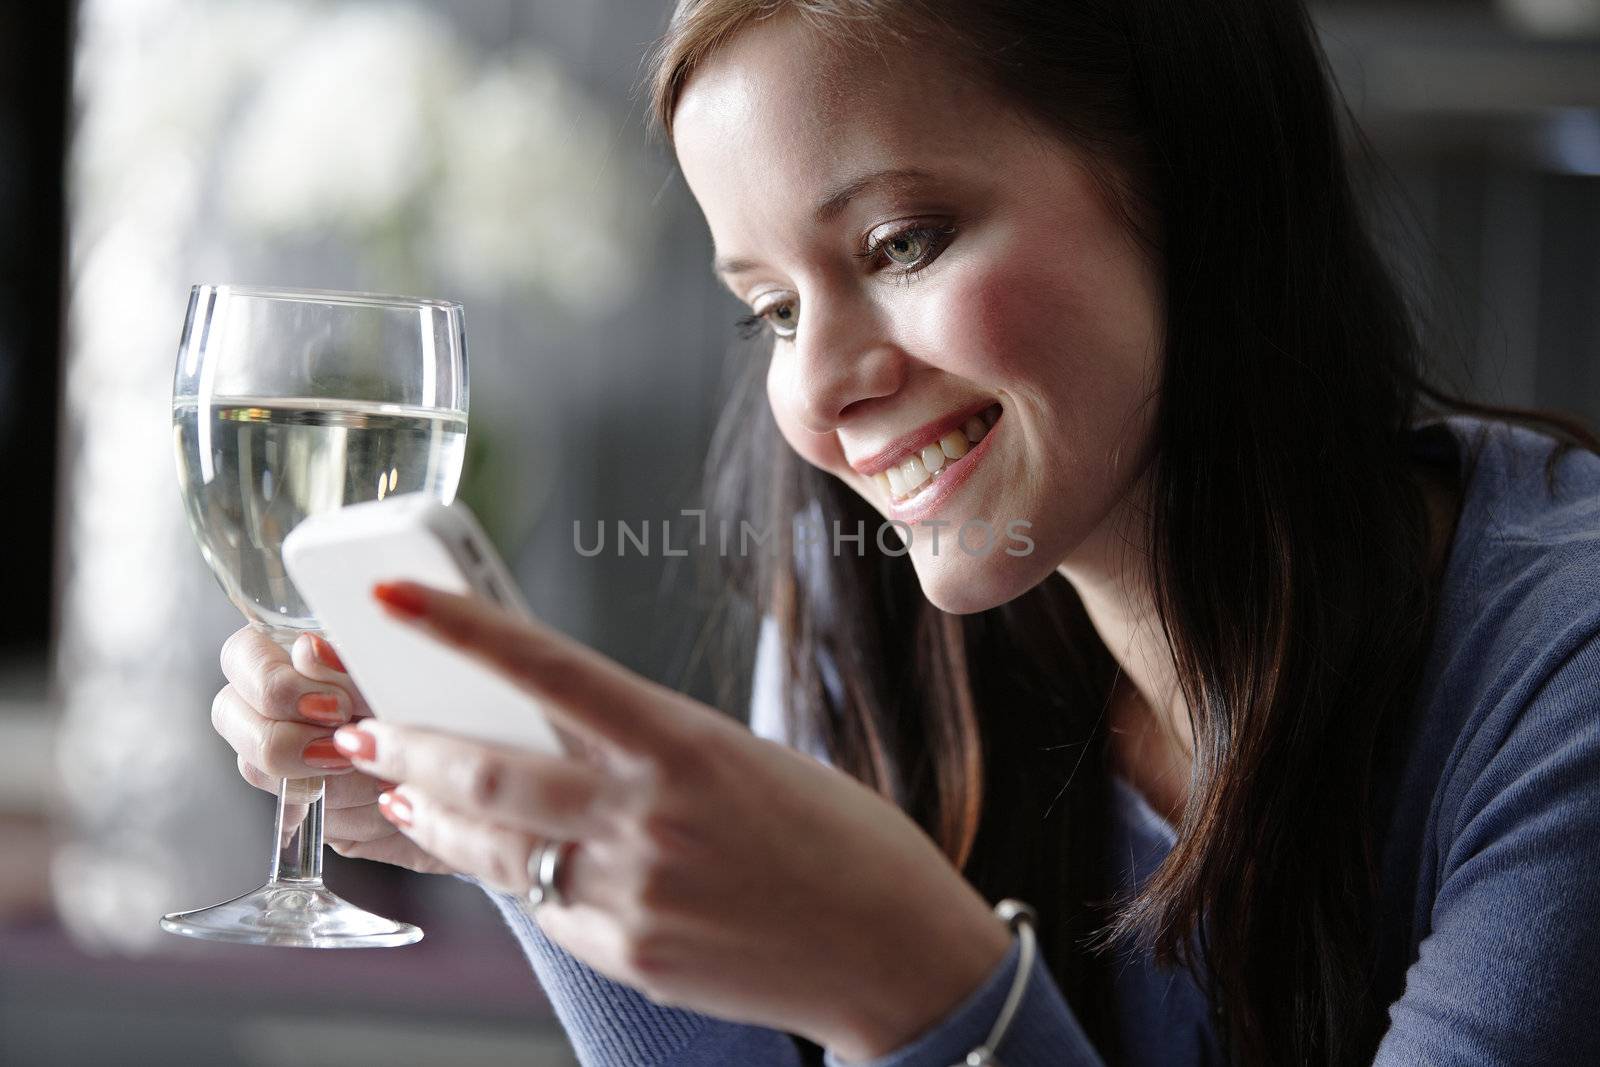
(1288, 532)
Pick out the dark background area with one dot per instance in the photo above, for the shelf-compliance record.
(35, 64)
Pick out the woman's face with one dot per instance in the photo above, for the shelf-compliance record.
(920, 256)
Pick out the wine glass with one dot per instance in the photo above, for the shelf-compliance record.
(287, 403)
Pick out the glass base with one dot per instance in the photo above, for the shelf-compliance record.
(292, 915)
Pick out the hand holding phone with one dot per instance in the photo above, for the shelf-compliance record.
(335, 558)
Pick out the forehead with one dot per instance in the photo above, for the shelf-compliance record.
(778, 117)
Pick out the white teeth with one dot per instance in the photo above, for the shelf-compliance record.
(909, 475)
(954, 444)
(912, 470)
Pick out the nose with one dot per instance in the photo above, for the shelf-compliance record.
(840, 358)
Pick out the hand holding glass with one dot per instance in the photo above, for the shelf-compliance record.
(285, 404)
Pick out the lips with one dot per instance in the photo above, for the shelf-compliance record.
(922, 468)
(907, 444)
(913, 464)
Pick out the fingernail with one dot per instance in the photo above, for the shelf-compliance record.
(403, 599)
(323, 755)
(356, 742)
(325, 654)
(321, 707)
(395, 808)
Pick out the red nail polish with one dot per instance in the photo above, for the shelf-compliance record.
(403, 599)
(322, 755)
(356, 743)
(320, 708)
(395, 808)
(325, 654)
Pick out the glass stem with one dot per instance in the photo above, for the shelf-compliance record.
(298, 859)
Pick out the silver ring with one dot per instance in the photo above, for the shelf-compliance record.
(544, 868)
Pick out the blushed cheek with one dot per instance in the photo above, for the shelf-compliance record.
(994, 328)
(1068, 337)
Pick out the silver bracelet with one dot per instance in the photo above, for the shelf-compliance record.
(1022, 919)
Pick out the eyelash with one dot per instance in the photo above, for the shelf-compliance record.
(752, 325)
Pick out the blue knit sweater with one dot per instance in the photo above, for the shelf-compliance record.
(1490, 896)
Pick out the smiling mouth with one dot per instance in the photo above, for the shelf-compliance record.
(919, 469)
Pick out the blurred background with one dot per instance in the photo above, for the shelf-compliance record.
(493, 152)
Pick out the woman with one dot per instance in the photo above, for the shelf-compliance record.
(1282, 720)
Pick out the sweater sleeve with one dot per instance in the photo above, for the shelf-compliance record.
(613, 1025)
(1043, 1033)
(1505, 973)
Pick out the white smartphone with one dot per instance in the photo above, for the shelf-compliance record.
(335, 558)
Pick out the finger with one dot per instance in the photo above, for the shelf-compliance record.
(352, 822)
(315, 658)
(366, 823)
(498, 855)
(263, 675)
(341, 791)
(581, 689)
(279, 747)
(529, 791)
(396, 849)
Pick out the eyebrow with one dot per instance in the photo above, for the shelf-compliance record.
(829, 208)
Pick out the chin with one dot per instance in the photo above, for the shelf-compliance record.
(963, 584)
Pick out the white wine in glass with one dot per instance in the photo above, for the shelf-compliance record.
(287, 403)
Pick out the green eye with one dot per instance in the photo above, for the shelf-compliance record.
(908, 248)
(908, 251)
